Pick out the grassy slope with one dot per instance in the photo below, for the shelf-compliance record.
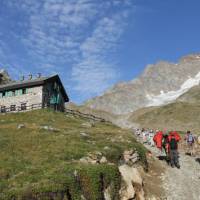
(181, 115)
(192, 96)
(37, 163)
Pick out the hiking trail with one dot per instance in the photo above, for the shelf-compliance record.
(183, 183)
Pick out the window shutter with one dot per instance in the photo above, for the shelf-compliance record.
(53, 99)
(20, 92)
(58, 100)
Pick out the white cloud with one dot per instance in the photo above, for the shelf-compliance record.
(93, 76)
(57, 29)
(96, 72)
(83, 33)
(104, 37)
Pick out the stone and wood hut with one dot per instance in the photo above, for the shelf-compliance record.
(41, 92)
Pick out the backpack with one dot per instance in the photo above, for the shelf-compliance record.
(190, 138)
(173, 144)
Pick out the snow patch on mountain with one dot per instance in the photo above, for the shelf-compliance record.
(168, 97)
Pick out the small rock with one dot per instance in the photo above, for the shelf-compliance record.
(94, 158)
(94, 162)
(84, 134)
(49, 128)
(19, 126)
(86, 125)
(106, 148)
(154, 198)
(98, 153)
(45, 127)
(84, 160)
(130, 156)
(113, 140)
(107, 193)
(87, 160)
(91, 142)
(75, 173)
(83, 198)
(134, 160)
(103, 160)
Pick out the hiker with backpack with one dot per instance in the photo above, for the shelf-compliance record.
(144, 136)
(190, 143)
(173, 139)
(151, 135)
(158, 140)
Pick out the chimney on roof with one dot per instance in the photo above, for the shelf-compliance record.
(39, 75)
(22, 78)
(30, 76)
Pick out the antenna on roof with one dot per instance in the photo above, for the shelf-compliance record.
(39, 75)
(30, 77)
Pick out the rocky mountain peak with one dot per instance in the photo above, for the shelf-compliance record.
(156, 79)
(190, 58)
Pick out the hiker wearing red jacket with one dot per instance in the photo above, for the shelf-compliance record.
(173, 139)
(174, 134)
(158, 139)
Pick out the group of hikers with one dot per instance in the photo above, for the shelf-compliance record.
(167, 143)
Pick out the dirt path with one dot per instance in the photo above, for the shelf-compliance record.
(183, 183)
(178, 184)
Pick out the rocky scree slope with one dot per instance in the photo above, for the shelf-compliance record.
(156, 79)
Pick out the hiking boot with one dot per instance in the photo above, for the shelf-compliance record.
(172, 166)
(178, 166)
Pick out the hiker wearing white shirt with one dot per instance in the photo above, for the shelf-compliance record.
(190, 143)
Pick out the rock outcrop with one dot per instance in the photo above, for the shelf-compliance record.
(4, 77)
(94, 158)
(130, 156)
(132, 187)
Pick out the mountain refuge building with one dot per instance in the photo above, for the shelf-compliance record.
(41, 92)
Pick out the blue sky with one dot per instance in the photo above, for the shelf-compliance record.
(93, 44)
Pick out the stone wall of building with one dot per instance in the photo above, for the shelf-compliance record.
(33, 96)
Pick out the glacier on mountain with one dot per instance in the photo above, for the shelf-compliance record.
(168, 97)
